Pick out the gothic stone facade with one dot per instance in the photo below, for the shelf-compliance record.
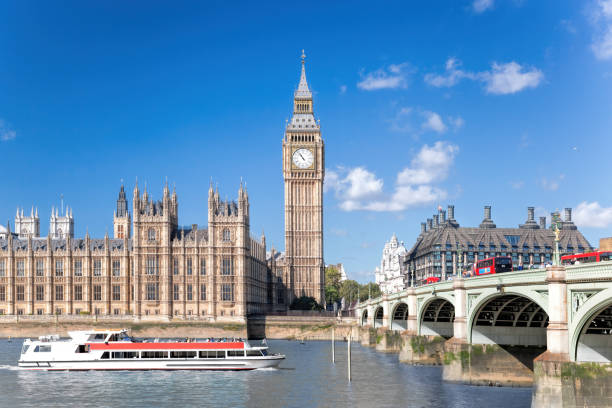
(390, 276)
(219, 273)
(303, 171)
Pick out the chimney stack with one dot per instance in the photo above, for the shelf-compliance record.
(442, 216)
(429, 224)
(423, 228)
(568, 215)
(487, 222)
(436, 220)
(530, 213)
(451, 212)
(543, 222)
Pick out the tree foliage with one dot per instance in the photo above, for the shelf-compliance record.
(332, 284)
(305, 303)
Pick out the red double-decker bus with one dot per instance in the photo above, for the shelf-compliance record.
(432, 279)
(587, 257)
(488, 266)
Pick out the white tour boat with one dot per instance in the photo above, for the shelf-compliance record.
(116, 350)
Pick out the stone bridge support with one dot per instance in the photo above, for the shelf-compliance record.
(412, 312)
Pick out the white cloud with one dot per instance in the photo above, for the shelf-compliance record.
(342, 89)
(511, 78)
(456, 122)
(6, 133)
(592, 215)
(552, 184)
(362, 184)
(453, 75)
(480, 6)
(434, 122)
(431, 164)
(602, 21)
(360, 189)
(393, 77)
(506, 78)
(405, 121)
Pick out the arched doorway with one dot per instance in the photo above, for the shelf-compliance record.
(400, 317)
(378, 317)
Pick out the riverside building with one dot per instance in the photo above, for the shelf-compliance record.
(443, 244)
(152, 266)
(158, 268)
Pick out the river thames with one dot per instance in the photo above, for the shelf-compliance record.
(307, 378)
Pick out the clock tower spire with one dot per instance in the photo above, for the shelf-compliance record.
(303, 172)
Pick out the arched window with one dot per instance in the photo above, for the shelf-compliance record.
(151, 234)
(227, 236)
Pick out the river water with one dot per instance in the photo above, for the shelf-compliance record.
(307, 378)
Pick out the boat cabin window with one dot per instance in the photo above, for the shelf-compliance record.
(235, 353)
(25, 348)
(183, 354)
(253, 353)
(82, 348)
(125, 354)
(42, 349)
(97, 337)
(212, 354)
(153, 354)
(105, 356)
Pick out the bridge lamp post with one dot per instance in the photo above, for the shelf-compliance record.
(460, 259)
(556, 227)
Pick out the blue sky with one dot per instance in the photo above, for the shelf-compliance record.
(488, 102)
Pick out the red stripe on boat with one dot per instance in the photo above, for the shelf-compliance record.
(166, 346)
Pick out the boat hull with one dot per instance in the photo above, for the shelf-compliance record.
(237, 364)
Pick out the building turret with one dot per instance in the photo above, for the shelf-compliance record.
(61, 223)
(26, 226)
(122, 219)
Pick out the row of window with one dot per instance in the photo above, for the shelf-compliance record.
(151, 292)
(39, 268)
(493, 247)
(151, 267)
(178, 354)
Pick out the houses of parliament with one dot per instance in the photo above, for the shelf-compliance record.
(154, 267)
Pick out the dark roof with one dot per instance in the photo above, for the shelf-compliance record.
(510, 237)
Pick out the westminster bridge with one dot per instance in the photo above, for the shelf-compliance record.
(503, 328)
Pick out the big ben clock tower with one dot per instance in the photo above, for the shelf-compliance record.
(303, 171)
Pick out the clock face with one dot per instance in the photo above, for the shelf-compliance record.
(303, 158)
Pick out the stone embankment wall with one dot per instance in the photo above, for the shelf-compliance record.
(272, 327)
(302, 328)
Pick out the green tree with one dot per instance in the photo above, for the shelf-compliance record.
(368, 289)
(348, 290)
(332, 284)
(305, 303)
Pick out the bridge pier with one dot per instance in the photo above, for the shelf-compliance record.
(412, 324)
(425, 350)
